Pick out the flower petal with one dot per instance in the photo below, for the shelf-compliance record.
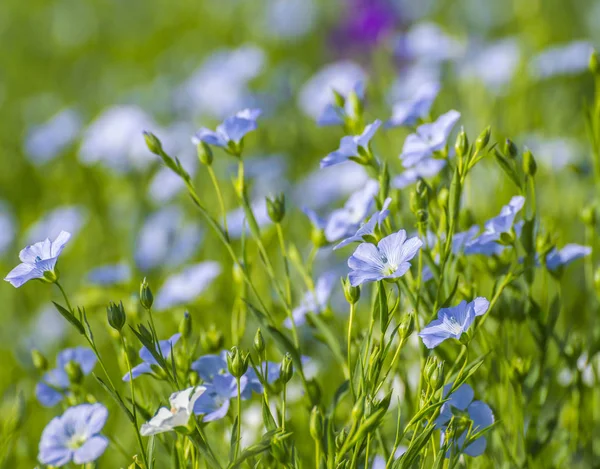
(91, 450)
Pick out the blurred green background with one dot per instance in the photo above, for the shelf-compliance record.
(157, 58)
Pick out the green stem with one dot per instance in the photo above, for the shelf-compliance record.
(64, 296)
(284, 404)
(288, 283)
(239, 419)
(213, 178)
(350, 322)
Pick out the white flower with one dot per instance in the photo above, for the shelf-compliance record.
(182, 405)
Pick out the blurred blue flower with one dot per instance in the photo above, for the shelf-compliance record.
(368, 229)
(351, 146)
(408, 112)
(564, 59)
(479, 413)
(317, 93)
(346, 220)
(55, 383)
(214, 403)
(37, 259)
(427, 42)
(571, 252)
(429, 138)
(69, 218)
(45, 142)
(232, 130)
(74, 436)
(165, 347)
(487, 242)
(289, 19)
(389, 259)
(452, 322)
(115, 139)
(314, 302)
(236, 219)
(426, 168)
(335, 115)
(187, 285)
(108, 275)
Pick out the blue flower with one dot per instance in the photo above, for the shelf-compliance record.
(426, 168)
(333, 114)
(351, 147)
(74, 436)
(231, 131)
(165, 346)
(214, 403)
(429, 138)
(187, 285)
(487, 242)
(410, 111)
(346, 220)
(38, 259)
(55, 383)
(368, 229)
(70, 218)
(479, 413)
(452, 322)
(108, 275)
(389, 259)
(313, 302)
(571, 252)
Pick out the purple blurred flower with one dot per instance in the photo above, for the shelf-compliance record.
(366, 23)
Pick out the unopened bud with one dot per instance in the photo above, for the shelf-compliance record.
(406, 326)
(74, 372)
(116, 315)
(287, 369)
(39, 360)
(146, 297)
(351, 293)
(434, 373)
(259, 342)
(185, 326)
(529, 164)
(588, 216)
(442, 197)
(153, 143)
(338, 99)
(316, 423)
(237, 362)
(212, 339)
(358, 410)
(510, 149)
(276, 208)
(483, 139)
(205, 154)
(462, 143)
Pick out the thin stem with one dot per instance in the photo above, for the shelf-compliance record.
(213, 178)
(288, 283)
(64, 295)
(284, 403)
(350, 322)
(239, 419)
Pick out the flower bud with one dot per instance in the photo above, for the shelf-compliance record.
(384, 403)
(116, 315)
(316, 423)
(442, 197)
(259, 343)
(462, 143)
(594, 63)
(340, 438)
(434, 372)
(384, 181)
(153, 143)
(589, 216)
(510, 149)
(338, 99)
(276, 208)
(74, 372)
(356, 107)
(287, 369)
(237, 362)
(146, 334)
(185, 326)
(317, 236)
(358, 410)
(146, 297)
(351, 293)
(39, 360)
(205, 154)
(529, 164)
(212, 339)
(406, 326)
(483, 139)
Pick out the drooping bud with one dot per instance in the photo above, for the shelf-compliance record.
(510, 149)
(185, 326)
(483, 139)
(146, 297)
(462, 143)
(276, 208)
(74, 372)
(316, 423)
(237, 362)
(351, 293)
(529, 164)
(153, 143)
(39, 360)
(287, 369)
(259, 342)
(116, 315)
(205, 154)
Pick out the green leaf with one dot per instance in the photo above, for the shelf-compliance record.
(69, 317)
(268, 419)
(234, 439)
(508, 168)
(340, 392)
(115, 395)
(381, 306)
(263, 445)
(151, 446)
(447, 301)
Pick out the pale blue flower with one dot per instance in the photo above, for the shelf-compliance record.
(408, 112)
(115, 139)
(69, 218)
(429, 138)
(232, 130)
(427, 42)
(46, 141)
(351, 146)
(564, 59)
(368, 229)
(289, 19)
(487, 242)
(346, 220)
(336, 115)
(426, 168)
(148, 360)
(479, 413)
(452, 322)
(493, 64)
(185, 286)
(313, 302)
(38, 259)
(74, 436)
(236, 219)
(388, 260)
(317, 93)
(213, 404)
(55, 383)
(571, 252)
(108, 275)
